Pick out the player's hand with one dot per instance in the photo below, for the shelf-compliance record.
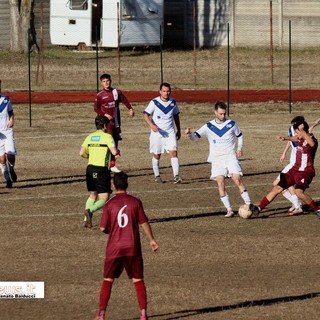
(154, 128)
(10, 123)
(187, 131)
(108, 116)
(178, 135)
(154, 245)
(131, 113)
(281, 138)
(239, 153)
(282, 158)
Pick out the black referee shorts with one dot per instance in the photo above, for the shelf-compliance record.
(98, 179)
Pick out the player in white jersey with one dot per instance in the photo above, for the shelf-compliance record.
(7, 144)
(162, 116)
(289, 193)
(223, 154)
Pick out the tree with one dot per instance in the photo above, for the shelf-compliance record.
(20, 22)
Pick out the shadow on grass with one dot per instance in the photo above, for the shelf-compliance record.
(246, 304)
(47, 181)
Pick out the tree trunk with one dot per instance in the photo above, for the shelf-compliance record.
(20, 23)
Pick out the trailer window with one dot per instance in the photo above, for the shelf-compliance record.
(78, 4)
(129, 9)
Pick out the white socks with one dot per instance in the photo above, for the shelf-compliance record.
(175, 166)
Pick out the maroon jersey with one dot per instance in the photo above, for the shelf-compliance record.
(305, 155)
(121, 218)
(107, 102)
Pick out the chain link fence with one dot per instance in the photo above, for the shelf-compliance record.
(226, 45)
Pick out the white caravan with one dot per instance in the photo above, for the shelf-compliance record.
(110, 22)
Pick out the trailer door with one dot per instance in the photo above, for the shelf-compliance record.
(70, 22)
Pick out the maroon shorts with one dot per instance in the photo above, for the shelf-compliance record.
(133, 266)
(299, 179)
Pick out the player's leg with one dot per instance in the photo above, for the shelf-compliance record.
(105, 294)
(242, 189)
(292, 197)
(224, 197)
(141, 293)
(134, 269)
(156, 149)
(88, 214)
(113, 166)
(156, 167)
(10, 149)
(4, 168)
(101, 183)
(286, 181)
(112, 270)
(11, 160)
(235, 171)
(289, 193)
(300, 192)
(175, 166)
(171, 145)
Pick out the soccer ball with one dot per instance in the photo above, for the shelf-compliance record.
(245, 212)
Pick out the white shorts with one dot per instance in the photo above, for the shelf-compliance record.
(7, 144)
(225, 168)
(162, 141)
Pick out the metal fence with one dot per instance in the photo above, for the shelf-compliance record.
(262, 45)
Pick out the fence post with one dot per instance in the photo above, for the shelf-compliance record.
(290, 66)
(29, 76)
(97, 59)
(161, 64)
(228, 72)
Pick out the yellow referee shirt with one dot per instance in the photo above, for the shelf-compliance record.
(97, 145)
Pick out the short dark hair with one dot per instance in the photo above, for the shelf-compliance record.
(101, 121)
(120, 181)
(165, 84)
(298, 124)
(220, 104)
(105, 76)
(297, 119)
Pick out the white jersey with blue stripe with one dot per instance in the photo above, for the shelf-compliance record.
(163, 113)
(221, 137)
(294, 145)
(5, 108)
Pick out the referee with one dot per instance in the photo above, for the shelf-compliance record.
(98, 147)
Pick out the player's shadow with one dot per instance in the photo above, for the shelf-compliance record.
(245, 304)
(185, 217)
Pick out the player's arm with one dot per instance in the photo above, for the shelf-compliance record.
(97, 108)
(148, 231)
(317, 122)
(11, 119)
(83, 152)
(307, 137)
(286, 148)
(240, 146)
(115, 151)
(104, 221)
(192, 135)
(146, 118)
(287, 138)
(177, 123)
(126, 102)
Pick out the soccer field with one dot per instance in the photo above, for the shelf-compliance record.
(208, 267)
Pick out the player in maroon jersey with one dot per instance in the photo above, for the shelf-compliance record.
(121, 218)
(302, 172)
(106, 104)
